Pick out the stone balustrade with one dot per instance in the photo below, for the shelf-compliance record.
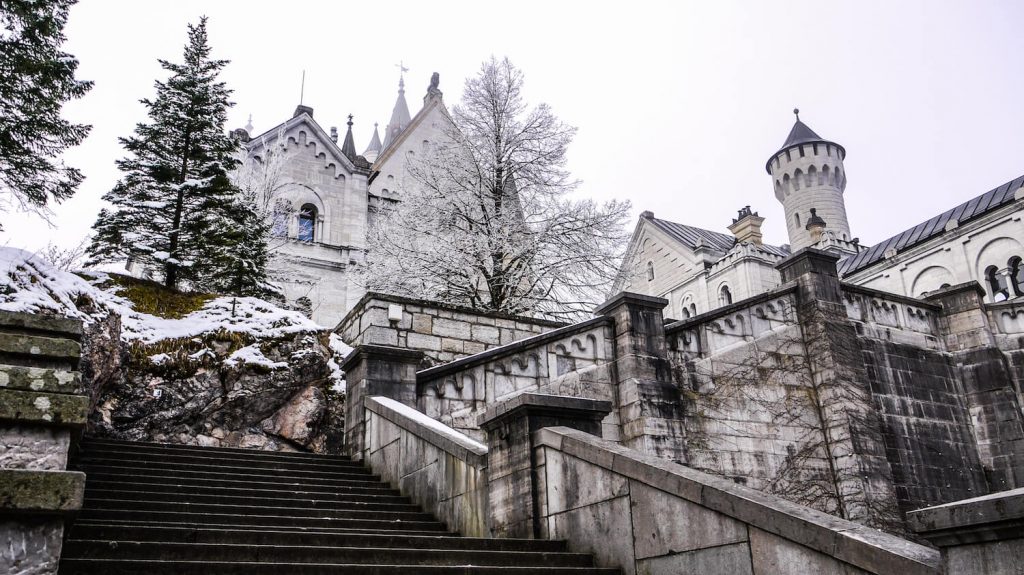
(893, 317)
(42, 409)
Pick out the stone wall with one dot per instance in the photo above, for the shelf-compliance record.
(441, 470)
(43, 406)
(647, 515)
(443, 333)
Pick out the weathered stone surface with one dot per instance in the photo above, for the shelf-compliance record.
(33, 446)
(39, 379)
(773, 554)
(31, 546)
(39, 346)
(729, 559)
(299, 419)
(43, 407)
(664, 524)
(25, 491)
(601, 529)
(51, 325)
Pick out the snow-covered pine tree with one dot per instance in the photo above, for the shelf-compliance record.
(176, 209)
(36, 79)
(488, 223)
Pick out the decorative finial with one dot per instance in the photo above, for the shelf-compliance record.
(796, 112)
(249, 126)
(350, 121)
(401, 74)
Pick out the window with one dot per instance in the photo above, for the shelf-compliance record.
(279, 221)
(307, 223)
(686, 313)
(997, 284)
(1016, 276)
(724, 296)
(796, 218)
(650, 271)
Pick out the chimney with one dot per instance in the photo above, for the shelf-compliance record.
(747, 226)
(647, 215)
(300, 109)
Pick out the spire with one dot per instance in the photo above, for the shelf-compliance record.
(248, 126)
(373, 150)
(349, 147)
(400, 117)
(801, 133)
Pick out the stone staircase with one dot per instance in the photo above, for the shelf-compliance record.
(170, 509)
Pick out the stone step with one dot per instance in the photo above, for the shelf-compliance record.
(194, 494)
(348, 555)
(131, 469)
(259, 510)
(104, 499)
(82, 525)
(134, 567)
(177, 484)
(256, 536)
(282, 521)
(258, 460)
(150, 447)
(228, 467)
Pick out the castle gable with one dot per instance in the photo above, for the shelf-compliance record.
(304, 134)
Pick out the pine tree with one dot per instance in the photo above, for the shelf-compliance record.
(36, 79)
(176, 207)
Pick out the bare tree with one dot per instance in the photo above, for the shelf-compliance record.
(66, 259)
(488, 222)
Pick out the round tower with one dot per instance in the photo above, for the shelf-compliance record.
(808, 172)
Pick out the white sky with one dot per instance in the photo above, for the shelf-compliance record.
(678, 104)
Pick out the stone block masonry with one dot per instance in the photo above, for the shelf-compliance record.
(42, 408)
(442, 332)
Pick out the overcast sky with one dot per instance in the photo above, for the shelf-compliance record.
(678, 104)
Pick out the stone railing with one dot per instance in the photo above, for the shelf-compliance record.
(743, 321)
(1007, 317)
(647, 515)
(42, 409)
(888, 316)
(443, 333)
(439, 468)
(573, 360)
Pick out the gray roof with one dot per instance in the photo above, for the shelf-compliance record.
(689, 236)
(400, 117)
(375, 145)
(801, 133)
(924, 231)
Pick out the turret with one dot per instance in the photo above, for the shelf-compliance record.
(808, 172)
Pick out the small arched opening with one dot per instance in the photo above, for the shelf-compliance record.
(307, 223)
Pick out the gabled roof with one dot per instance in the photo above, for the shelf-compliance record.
(330, 145)
(689, 236)
(428, 106)
(933, 227)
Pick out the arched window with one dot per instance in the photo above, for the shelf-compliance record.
(686, 313)
(307, 223)
(650, 271)
(279, 219)
(796, 218)
(693, 309)
(1016, 276)
(997, 284)
(724, 296)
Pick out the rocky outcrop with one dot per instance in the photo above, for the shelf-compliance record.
(224, 391)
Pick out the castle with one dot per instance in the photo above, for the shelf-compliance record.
(327, 195)
(699, 270)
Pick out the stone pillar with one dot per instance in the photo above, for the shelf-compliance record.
(650, 406)
(376, 370)
(42, 409)
(848, 416)
(513, 497)
(987, 377)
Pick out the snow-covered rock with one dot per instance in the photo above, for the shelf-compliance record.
(236, 372)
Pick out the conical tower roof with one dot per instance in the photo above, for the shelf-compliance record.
(400, 117)
(375, 146)
(801, 133)
(349, 147)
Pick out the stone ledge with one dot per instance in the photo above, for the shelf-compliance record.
(993, 517)
(844, 540)
(43, 408)
(39, 379)
(363, 352)
(40, 346)
(429, 430)
(60, 326)
(32, 492)
(557, 404)
(357, 309)
(631, 298)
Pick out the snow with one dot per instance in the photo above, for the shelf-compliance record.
(341, 351)
(31, 285)
(160, 358)
(251, 355)
(432, 424)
